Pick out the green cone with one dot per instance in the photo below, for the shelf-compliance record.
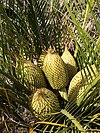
(33, 76)
(44, 102)
(54, 69)
(80, 82)
(70, 63)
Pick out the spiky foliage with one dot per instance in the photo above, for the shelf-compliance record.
(31, 26)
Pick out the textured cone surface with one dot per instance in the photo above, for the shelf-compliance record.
(54, 69)
(80, 81)
(70, 63)
(44, 102)
(33, 76)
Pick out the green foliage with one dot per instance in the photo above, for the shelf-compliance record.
(26, 29)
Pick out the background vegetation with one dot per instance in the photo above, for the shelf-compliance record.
(26, 29)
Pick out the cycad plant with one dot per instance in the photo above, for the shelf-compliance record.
(28, 29)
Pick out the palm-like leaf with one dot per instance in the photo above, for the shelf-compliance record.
(31, 26)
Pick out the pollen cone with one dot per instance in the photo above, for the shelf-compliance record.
(54, 70)
(44, 102)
